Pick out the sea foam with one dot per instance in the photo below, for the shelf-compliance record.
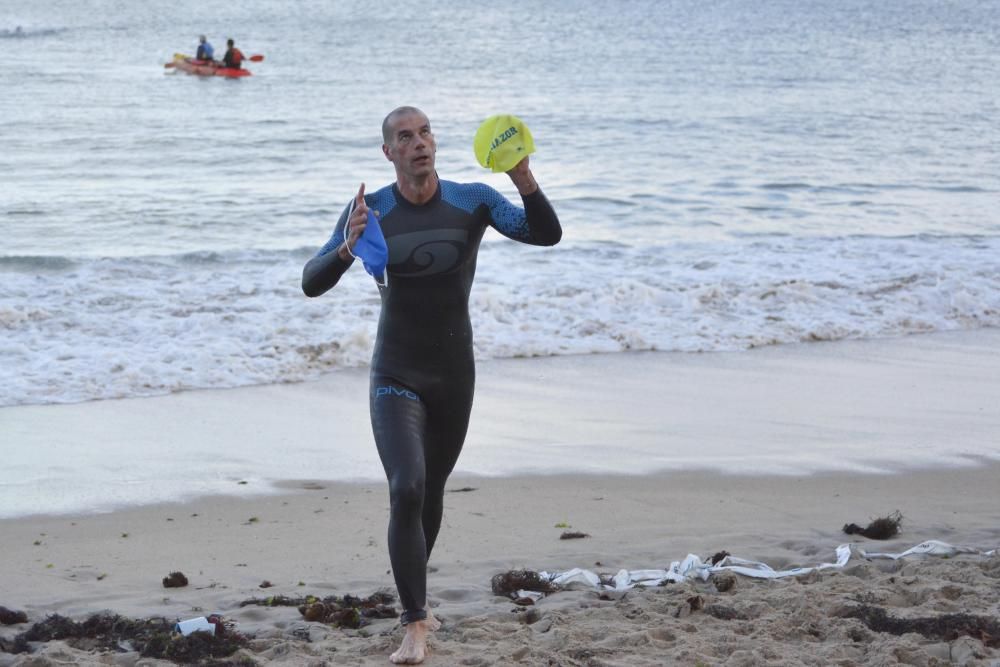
(118, 327)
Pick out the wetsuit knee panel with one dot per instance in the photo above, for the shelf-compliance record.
(406, 488)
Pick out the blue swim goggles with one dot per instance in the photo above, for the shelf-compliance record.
(371, 247)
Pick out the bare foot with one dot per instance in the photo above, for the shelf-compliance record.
(432, 623)
(413, 650)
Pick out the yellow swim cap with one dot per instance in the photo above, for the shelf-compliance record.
(501, 142)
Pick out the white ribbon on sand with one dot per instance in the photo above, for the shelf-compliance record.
(694, 567)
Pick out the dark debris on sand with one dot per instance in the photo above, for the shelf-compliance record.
(946, 627)
(879, 529)
(346, 612)
(175, 580)
(507, 584)
(719, 556)
(151, 638)
(12, 617)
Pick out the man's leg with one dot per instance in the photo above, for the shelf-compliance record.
(448, 422)
(398, 423)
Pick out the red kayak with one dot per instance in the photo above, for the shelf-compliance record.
(205, 68)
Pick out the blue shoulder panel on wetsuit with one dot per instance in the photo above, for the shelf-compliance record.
(382, 201)
(508, 219)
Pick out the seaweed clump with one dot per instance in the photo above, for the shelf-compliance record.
(12, 617)
(175, 580)
(507, 584)
(151, 638)
(346, 612)
(946, 627)
(719, 556)
(879, 529)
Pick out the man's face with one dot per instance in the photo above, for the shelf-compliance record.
(411, 146)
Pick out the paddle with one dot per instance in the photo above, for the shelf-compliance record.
(257, 58)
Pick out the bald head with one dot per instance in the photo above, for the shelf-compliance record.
(394, 115)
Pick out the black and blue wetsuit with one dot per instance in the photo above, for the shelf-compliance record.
(422, 372)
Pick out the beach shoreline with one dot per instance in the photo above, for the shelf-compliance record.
(858, 405)
(654, 456)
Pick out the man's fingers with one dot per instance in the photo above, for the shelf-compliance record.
(358, 220)
(356, 232)
(360, 214)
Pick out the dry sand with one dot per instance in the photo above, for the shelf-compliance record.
(329, 539)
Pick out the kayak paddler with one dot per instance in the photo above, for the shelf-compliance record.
(233, 57)
(205, 50)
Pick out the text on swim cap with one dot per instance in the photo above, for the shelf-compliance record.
(507, 134)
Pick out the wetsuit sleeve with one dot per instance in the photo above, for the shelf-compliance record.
(536, 224)
(324, 270)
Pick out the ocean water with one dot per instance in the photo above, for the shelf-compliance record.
(729, 175)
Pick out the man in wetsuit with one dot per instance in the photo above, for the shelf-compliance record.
(233, 57)
(205, 50)
(422, 372)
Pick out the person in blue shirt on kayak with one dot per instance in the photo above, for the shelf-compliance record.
(233, 57)
(205, 50)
